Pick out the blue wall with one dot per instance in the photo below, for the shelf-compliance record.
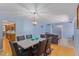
(56, 30)
(68, 30)
(76, 38)
(76, 41)
(25, 26)
(38, 29)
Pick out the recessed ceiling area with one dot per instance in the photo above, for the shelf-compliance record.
(52, 12)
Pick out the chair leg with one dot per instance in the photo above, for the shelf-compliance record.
(48, 51)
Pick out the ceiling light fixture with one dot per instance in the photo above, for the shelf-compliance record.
(34, 20)
(35, 14)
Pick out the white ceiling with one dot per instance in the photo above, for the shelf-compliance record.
(53, 12)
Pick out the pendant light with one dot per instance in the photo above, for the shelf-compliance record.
(35, 14)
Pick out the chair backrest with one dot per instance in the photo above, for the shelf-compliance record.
(20, 38)
(48, 44)
(12, 48)
(28, 36)
(35, 49)
(15, 49)
(42, 47)
(43, 36)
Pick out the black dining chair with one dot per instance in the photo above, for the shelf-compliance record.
(42, 46)
(39, 49)
(42, 36)
(48, 45)
(18, 51)
(35, 50)
(20, 38)
(14, 49)
(28, 36)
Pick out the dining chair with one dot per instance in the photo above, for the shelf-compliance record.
(42, 46)
(20, 38)
(42, 36)
(28, 36)
(35, 49)
(18, 51)
(14, 49)
(48, 45)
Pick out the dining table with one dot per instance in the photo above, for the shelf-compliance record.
(28, 42)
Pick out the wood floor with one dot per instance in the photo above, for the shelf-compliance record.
(57, 51)
(61, 51)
